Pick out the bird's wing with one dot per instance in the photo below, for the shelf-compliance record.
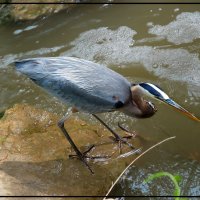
(87, 85)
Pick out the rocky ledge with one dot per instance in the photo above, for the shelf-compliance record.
(34, 155)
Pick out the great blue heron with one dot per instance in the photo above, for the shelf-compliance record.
(93, 88)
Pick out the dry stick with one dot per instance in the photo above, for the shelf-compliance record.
(170, 138)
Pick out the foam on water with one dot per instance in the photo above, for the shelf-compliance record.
(117, 47)
(11, 58)
(184, 29)
(28, 28)
(102, 44)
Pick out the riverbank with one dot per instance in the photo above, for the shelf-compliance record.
(26, 12)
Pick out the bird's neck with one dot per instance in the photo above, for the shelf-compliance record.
(134, 105)
(143, 108)
(137, 97)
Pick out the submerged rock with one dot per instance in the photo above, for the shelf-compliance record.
(34, 155)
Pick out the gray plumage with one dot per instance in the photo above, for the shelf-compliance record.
(93, 88)
(88, 86)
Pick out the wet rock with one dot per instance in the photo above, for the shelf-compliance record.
(23, 12)
(34, 155)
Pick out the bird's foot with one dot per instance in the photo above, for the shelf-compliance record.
(84, 157)
(121, 140)
(84, 154)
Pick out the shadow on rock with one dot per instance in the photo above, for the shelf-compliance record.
(55, 177)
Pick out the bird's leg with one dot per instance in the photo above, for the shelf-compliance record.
(80, 155)
(117, 137)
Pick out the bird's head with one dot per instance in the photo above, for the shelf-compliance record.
(155, 92)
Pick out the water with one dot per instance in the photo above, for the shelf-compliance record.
(150, 43)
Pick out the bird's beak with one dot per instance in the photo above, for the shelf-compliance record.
(180, 108)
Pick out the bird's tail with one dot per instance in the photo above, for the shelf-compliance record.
(25, 65)
(30, 67)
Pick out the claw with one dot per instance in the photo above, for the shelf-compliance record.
(120, 141)
(83, 157)
(86, 164)
(130, 133)
(89, 149)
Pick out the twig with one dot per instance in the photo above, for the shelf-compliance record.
(170, 138)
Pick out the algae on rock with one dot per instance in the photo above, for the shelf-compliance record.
(25, 12)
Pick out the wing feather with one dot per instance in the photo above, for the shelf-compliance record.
(89, 86)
